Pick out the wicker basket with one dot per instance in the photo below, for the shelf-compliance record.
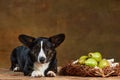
(82, 70)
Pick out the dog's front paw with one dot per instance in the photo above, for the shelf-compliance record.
(51, 74)
(36, 74)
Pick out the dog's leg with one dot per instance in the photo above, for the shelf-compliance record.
(15, 67)
(52, 70)
(14, 63)
(28, 68)
(39, 69)
(12, 66)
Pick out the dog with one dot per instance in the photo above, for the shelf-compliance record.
(37, 56)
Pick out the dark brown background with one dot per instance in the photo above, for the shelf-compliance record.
(89, 25)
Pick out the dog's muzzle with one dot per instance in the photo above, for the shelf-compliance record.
(42, 60)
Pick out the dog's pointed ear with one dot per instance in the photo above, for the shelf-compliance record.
(26, 40)
(57, 39)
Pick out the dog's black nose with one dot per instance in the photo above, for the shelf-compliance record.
(42, 59)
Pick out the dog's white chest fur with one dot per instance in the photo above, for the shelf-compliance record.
(39, 69)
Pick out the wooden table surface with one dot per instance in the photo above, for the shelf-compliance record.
(5, 74)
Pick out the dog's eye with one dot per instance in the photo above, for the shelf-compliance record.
(36, 49)
(47, 48)
(49, 52)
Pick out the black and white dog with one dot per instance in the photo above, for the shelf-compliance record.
(37, 57)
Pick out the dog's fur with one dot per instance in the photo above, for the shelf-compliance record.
(37, 57)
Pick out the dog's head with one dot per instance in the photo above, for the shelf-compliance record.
(42, 49)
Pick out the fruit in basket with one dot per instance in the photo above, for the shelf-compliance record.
(91, 62)
(96, 55)
(103, 63)
(82, 59)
